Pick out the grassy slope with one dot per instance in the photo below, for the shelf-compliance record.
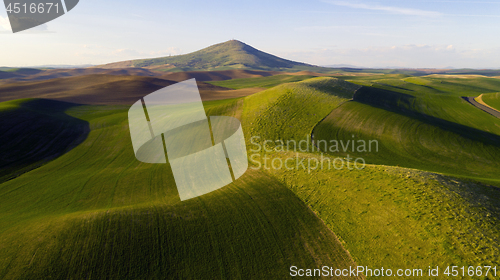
(400, 218)
(492, 99)
(266, 82)
(125, 220)
(453, 136)
(286, 112)
(386, 216)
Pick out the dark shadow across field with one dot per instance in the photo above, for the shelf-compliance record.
(35, 133)
(402, 104)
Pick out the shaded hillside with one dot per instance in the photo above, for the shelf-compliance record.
(40, 125)
(89, 89)
(420, 123)
(105, 89)
(221, 75)
(27, 74)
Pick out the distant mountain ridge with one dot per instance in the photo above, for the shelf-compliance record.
(229, 55)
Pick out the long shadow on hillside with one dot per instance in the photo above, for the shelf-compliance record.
(401, 103)
(35, 133)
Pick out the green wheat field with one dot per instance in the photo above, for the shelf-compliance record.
(76, 204)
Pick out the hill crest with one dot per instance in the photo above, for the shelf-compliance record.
(232, 54)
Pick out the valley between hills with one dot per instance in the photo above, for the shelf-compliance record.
(76, 204)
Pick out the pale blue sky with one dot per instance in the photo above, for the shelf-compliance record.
(367, 33)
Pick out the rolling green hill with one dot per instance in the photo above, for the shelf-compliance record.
(394, 217)
(421, 124)
(96, 212)
(267, 82)
(92, 211)
(290, 111)
(386, 216)
(232, 54)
